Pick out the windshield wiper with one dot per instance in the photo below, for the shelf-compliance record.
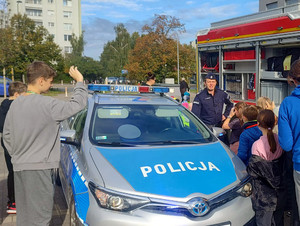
(116, 144)
(175, 142)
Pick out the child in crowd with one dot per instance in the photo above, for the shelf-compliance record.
(186, 101)
(234, 123)
(267, 103)
(15, 89)
(250, 134)
(266, 169)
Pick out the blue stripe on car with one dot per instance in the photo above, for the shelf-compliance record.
(174, 171)
(80, 190)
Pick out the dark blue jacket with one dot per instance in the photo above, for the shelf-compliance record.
(250, 134)
(289, 126)
(209, 108)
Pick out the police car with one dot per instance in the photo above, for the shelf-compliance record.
(135, 156)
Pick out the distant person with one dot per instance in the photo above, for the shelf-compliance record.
(209, 103)
(150, 79)
(266, 170)
(31, 135)
(289, 130)
(183, 87)
(15, 89)
(250, 134)
(234, 123)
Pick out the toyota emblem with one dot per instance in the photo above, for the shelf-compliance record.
(198, 207)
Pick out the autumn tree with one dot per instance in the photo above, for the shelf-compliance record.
(156, 51)
(22, 42)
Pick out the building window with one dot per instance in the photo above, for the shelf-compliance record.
(50, 24)
(272, 5)
(68, 49)
(36, 2)
(291, 2)
(67, 2)
(50, 12)
(38, 23)
(33, 12)
(67, 26)
(51, 1)
(67, 14)
(67, 37)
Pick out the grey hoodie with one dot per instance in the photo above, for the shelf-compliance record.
(31, 128)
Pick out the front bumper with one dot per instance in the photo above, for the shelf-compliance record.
(237, 212)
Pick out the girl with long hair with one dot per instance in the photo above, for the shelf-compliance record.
(266, 169)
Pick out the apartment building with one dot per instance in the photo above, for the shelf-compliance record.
(62, 18)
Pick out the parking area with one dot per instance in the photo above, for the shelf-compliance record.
(60, 211)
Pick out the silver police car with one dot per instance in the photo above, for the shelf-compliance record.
(135, 156)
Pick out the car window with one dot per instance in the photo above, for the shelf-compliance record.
(79, 123)
(146, 125)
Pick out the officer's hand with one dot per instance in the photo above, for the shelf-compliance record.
(75, 74)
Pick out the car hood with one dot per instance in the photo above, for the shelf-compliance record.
(176, 171)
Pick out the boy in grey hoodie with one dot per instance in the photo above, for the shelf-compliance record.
(31, 135)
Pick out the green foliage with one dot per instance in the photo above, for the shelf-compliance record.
(23, 42)
(89, 68)
(115, 53)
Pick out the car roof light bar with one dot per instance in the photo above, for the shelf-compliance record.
(127, 88)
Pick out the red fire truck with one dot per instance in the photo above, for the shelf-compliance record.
(251, 54)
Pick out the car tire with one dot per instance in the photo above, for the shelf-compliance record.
(74, 221)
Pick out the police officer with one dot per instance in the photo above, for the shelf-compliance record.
(209, 103)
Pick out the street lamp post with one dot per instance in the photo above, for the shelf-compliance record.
(177, 59)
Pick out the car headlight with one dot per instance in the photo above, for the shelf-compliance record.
(246, 189)
(115, 200)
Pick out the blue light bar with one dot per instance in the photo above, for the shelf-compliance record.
(127, 88)
(98, 87)
(160, 89)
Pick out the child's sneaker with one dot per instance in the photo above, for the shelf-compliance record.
(11, 208)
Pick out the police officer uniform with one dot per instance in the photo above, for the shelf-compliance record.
(209, 108)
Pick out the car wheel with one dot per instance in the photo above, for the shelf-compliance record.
(74, 221)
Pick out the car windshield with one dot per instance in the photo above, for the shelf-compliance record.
(131, 125)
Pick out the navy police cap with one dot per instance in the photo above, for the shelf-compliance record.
(211, 76)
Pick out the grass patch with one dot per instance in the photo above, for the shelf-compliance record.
(53, 92)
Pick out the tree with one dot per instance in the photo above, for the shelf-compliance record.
(87, 65)
(163, 25)
(155, 52)
(22, 42)
(77, 45)
(115, 53)
(151, 55)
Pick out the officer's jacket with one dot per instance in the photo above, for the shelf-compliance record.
(210, 108)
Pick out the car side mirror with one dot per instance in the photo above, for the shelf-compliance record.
(218, 132)
(68, 137)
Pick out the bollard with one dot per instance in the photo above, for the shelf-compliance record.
(66, 91)
(62, 82)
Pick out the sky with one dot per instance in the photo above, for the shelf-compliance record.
(99, 17)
